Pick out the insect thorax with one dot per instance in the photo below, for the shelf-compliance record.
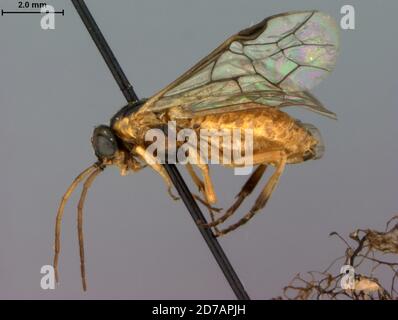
(127, 110)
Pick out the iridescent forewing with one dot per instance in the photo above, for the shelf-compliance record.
(273, 63)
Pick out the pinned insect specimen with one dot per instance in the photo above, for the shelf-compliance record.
(245, 83)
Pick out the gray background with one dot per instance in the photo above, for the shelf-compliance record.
(54, 88)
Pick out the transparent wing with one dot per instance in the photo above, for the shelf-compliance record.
(273, 63)
(195, 104)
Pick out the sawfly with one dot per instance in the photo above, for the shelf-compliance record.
(245, 83)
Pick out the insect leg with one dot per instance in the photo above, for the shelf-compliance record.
(246, 190)
(155, 165)
(199, 183)
(80, 206)
(208, 185)
(279, 159)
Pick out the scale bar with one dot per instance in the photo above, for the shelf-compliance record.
(30, 12)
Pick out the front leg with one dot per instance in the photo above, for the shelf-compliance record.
(155, 165)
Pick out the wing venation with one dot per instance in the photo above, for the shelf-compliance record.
(273, 63)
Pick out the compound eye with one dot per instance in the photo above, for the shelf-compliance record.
(104, 142)
(105, 147)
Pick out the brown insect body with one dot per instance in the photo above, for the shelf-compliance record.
(272, 130)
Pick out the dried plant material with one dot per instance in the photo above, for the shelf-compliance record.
(365, 254)
(366, 285)
(386, 242)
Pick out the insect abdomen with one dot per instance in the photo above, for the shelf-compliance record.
(271, 130)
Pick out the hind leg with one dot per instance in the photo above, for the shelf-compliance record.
(279, 159)
(246, 190)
